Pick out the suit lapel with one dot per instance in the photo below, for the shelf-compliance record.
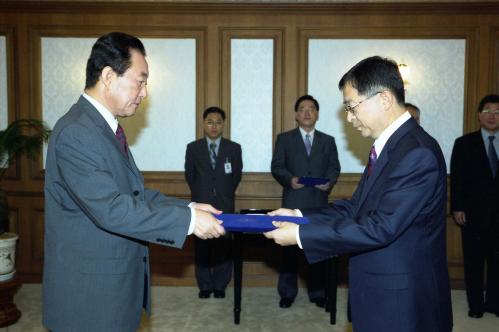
(384, 157)
(205, 153)
(316, 143)
(107, 132)
(298, 141)
(480, 151)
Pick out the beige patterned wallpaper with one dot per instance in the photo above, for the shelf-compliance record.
(168, 112)
(252, 101)
(435, 85)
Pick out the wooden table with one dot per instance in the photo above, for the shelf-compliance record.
(331, 276)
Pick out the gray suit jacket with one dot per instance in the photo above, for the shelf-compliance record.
(290, 159)
(98, 220)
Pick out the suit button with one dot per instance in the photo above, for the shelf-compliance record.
(309, 173)
(144, 259)
(136, 193)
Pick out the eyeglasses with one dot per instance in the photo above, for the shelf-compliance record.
(351, 109)
(494, 112)
(213, 124)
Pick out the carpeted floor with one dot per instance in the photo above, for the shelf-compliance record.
(179, 309)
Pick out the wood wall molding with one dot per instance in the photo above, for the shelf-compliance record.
(9, 31)
(226, 35)
(158, 7)
(494, 65)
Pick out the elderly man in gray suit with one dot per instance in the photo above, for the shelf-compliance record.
(304, 152)
(99, 217)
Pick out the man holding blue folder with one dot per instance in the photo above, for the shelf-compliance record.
(302, 158)
(394, 224)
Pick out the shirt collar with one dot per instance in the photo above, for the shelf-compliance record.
(486, 134)
(303, 133)
(106, 114)
(217, 141)
(380, 142)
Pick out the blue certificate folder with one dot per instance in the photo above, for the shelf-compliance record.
(254, 223)
(310, 181)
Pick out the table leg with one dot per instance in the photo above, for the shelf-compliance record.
(238, 276)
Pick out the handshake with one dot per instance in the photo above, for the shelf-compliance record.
(209, 227)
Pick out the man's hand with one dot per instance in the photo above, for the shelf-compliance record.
(285, 234)
(459, 217)
(283, 212)
(323, 187)
(295, 184)
(205, 207)
(207, 226)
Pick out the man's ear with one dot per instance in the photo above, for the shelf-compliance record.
(107, 76)
(387, 99)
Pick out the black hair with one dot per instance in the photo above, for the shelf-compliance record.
(113, 50)
(413, 106)
(306, 97)
(214, 109)
(486, 100)
(375, 74)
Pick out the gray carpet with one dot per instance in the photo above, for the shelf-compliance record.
(179, 309)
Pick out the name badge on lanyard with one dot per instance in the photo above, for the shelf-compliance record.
(227, 166)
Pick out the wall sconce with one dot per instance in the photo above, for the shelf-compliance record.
(405, 71)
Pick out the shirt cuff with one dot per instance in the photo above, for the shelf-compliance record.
(193, 219)
(298, 241)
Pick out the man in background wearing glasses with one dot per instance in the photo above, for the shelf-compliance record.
(394, 224)
(304, 152)
(213, 167)
(475, 207)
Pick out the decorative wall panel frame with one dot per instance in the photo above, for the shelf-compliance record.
(36, 33)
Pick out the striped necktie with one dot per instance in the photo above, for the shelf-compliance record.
(372, 160)
(213, 155)
(308, 144)
(120, 135)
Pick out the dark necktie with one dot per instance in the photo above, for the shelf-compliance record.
(213, 155)
(372, 160)
(120, 135)
(308, 144)
(492, 154)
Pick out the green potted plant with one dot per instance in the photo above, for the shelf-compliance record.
(21, 136)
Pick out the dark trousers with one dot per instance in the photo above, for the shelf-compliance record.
(480, 247)
(213, 263)
(288, 275)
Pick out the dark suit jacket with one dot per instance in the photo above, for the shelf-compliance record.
(213, 186)
(98, 216)
(473, 189)
(290, 159)
(395, 227)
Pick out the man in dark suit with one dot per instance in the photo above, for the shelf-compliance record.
(98, 215)
(475, 207)
(304, 152)
(213, 168)
(394, 224)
